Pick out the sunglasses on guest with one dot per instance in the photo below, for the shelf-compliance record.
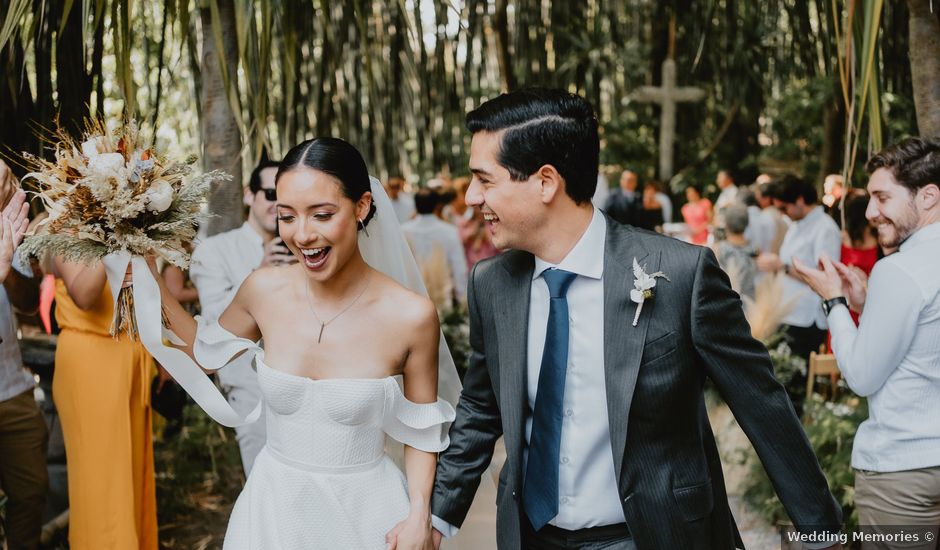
(270, 195)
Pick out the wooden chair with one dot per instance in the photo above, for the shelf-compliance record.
(822, 364)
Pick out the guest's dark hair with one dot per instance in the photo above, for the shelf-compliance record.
(791, 188)
(770, 189)
(856, 224)
(337, 158)
(544, 126)
(695, 187)
(426, 200)
(746, 197)
(254, 181)
(914, 162)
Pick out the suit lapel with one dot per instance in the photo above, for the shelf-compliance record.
(623, 343)
(512, 324)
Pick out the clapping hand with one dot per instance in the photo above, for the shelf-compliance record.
(834, 279)
(13, 218)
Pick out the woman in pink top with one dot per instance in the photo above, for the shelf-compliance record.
(477, 244)
(697, 213)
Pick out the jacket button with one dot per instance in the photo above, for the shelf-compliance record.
(514, 495)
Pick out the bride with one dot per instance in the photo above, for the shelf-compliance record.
(337, 334)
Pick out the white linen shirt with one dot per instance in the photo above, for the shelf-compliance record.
(893, 358)
(14, 378)
(808, 239)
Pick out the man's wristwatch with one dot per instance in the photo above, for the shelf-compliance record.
(827, 305)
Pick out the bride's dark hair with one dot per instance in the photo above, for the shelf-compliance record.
(337, 158)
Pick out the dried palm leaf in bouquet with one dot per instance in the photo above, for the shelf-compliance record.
(111, 193)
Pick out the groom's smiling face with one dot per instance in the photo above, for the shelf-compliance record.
(512, 209)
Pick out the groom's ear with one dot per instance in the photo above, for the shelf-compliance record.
(553, 185)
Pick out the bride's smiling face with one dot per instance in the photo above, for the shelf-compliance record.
(317, 221)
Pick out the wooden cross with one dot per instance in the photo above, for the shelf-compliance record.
(667, 95)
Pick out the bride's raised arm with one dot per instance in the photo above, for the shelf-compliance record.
(236, 318)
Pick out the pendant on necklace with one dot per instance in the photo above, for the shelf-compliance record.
(320, 337)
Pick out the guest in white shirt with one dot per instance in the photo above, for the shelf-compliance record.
(727, 197)
(764, 192)
(761, 229)
(220, 265)
(893, 356)
(812, 235)
(402, 201)
(434, 242)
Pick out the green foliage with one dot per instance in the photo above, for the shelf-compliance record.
(830, 427)
(456, 328)
(797, 129)
(202, 461)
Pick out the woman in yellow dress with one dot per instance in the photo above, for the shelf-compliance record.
(101, 389)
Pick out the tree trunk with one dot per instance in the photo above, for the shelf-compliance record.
(925, 65)
(73, 84)
(220, 136)
(501, 22)
(831, 156)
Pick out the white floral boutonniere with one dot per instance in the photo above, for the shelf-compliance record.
(643, 285)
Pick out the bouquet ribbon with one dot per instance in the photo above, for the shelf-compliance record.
(149, 315)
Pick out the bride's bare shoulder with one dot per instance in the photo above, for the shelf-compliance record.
(410, 309)
(266, 281)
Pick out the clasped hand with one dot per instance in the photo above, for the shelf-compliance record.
(413, 533)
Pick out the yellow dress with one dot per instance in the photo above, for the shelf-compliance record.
(101, 389)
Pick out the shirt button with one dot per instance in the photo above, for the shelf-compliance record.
(564, 500)
(569, 412)
(564, 460)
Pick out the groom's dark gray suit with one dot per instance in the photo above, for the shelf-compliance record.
(666, 461)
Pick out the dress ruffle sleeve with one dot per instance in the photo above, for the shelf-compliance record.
(423, 426)
(215, 347)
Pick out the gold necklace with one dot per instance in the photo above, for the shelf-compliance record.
(344, 310)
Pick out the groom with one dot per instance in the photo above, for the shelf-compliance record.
(601, 407)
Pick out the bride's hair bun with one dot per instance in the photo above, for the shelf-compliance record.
(337, 158)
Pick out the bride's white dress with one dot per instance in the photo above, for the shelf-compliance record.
(323, 480)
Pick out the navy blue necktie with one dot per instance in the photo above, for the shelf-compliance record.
(540, 493)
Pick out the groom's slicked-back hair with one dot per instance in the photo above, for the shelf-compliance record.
(544, 126)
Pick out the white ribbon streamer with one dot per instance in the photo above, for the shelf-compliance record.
(149, 315)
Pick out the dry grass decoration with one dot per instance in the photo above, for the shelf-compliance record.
(112, 192)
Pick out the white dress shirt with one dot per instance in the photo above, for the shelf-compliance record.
(587, 482)
(404, 206)
(761, 229)
(808, 239)
(587, 479)
(893, 358)
(219, 266)
(427, 233)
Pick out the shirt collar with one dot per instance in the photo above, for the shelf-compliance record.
(587, 257)
(926, 233)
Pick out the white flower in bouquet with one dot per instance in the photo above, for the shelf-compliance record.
(159, 196)
(92, 147)
(108, 165)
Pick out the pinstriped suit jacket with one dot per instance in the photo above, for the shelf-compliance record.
(667, 464)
